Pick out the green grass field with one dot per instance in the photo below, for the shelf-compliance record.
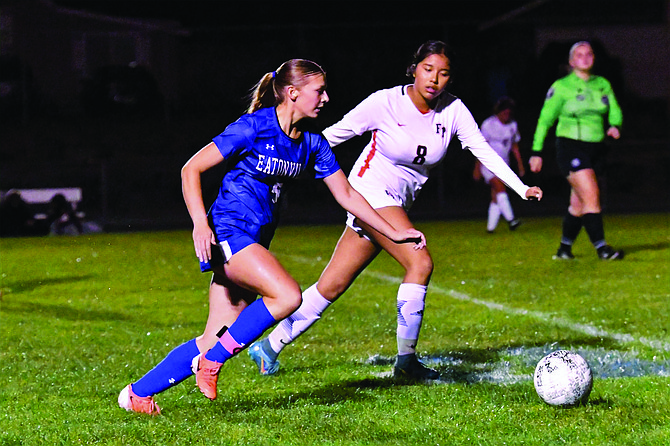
(82, 317)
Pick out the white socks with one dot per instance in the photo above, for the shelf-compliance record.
(501, 206)
(494, 216)
(411, 301)
(505, 206)
(313, 304)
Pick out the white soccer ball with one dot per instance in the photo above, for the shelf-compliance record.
(563, 378)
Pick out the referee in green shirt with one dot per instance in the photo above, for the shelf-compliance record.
(587, 111)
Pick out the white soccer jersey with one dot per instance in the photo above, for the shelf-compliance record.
(406, 144)
(500, 136)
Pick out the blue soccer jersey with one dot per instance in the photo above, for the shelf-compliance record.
(260, 157)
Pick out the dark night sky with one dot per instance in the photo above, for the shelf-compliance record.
(195, 13)
(209, 13)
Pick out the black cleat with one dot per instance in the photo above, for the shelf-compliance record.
(409, 367)
(608, 253)
(563, 254)
(514, 224)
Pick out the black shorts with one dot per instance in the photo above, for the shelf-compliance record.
(573, 155)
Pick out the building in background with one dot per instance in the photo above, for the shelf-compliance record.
(114, 97)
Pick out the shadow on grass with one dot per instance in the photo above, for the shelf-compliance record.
(30, 285)
(330, 394)
(61, 312)
(473, 366)
(600, 402)
(648, 247)
(349, 391)
(15, 304)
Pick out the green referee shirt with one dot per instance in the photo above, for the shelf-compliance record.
(580, 107)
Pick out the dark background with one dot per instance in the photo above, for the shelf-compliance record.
(115, 96)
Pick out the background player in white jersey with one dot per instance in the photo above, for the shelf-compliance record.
(411, 127)
(502, 133)
(263, 149)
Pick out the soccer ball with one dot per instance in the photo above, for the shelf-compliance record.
(563, 378)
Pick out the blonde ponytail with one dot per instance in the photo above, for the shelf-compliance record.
(270, 90)
(263, 94)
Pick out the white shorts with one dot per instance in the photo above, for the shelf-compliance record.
(378, 196)
(352, 222)
(377, 193)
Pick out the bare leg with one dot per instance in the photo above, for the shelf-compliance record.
(584, 195)
(418, 264)
(351, 256)
(256, 269)
(224, 307)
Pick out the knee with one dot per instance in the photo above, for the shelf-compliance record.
(289, 301)
(592, 205)
(333, 289)
(427, 267)
(579, 208)
(421, 269)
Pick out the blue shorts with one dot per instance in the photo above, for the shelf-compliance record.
(232, 237)
(573, 155)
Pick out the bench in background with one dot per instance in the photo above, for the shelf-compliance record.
(39, 198)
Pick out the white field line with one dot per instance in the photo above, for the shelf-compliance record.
(623, 338)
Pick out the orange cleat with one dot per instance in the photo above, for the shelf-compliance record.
(206, 375)
(140, 404)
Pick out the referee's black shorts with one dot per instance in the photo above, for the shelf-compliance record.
(573, 155)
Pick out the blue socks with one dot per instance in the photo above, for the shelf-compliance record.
(172, 370)
(176, 366)
(249, 326)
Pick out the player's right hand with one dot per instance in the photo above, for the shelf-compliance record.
(203, 238)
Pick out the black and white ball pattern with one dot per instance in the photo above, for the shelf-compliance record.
(563, 378)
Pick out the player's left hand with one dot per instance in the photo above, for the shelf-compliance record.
(412, 236)
(535, 163)
(614, 133)
(534, 193)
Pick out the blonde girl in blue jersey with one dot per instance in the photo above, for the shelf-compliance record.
(411, 127)
(263, 149)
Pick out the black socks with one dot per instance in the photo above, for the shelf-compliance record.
(571, 227)
(593, 223)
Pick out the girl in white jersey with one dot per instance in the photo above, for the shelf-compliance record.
(411, 127)
(502, 133)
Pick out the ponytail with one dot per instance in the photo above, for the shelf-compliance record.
(270, 90)
(263, 94)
